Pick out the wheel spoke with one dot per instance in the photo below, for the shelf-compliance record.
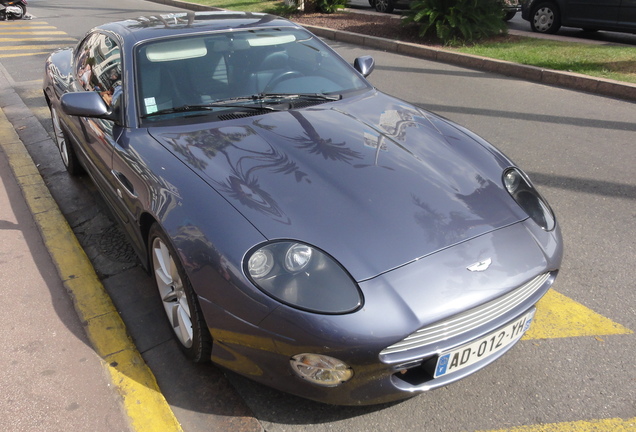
(184, 326)
(174, 275)
(183, 302)
(161, 268)
(169, 297)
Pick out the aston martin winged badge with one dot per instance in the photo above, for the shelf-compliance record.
(480, 266)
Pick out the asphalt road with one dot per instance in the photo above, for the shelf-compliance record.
(578, 148)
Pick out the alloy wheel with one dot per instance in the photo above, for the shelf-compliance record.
(172, 292)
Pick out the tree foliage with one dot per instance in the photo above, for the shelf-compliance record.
(457, 21)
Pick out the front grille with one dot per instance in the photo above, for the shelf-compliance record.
(469, 320)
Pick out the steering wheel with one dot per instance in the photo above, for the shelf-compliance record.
(280, 78)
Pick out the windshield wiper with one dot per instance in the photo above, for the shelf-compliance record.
(255, 102)
(304, 96)
(210, 107)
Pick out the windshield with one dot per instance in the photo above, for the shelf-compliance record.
(205, 74)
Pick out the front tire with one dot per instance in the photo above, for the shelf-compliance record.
(545, 18)
(179, 300)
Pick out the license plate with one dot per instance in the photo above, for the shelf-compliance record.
(468, 354)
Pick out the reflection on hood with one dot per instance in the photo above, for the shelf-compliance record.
(361, 179)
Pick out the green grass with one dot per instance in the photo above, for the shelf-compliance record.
(604, 61)
(269, 6)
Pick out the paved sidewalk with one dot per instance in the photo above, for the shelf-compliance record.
(77, 306)
(52, 380)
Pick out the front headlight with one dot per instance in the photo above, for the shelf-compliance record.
(303, 277)
(519, 186)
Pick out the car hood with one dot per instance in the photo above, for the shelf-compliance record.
(371, 180)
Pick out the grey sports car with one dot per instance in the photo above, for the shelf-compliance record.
(303, 229)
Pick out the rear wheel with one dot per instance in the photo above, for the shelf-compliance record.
(22, 12)
(67, 153)
(385, 6)
(178, 298)
(545, 18)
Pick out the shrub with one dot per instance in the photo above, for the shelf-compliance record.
(457, 21)
(330, 6)
(292, 7)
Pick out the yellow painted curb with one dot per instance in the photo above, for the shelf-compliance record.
(145, 405)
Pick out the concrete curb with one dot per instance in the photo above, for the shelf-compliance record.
(143, 401)
(569, 80)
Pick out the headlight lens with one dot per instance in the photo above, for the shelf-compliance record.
(297, 257)
(520, 188)
(260, 263)
(304, 277)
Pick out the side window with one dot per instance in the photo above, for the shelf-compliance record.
(98, 67)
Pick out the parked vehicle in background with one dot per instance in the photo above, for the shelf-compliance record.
(547, 16)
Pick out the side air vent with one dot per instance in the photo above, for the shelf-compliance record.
(237, 115)
(305, 104)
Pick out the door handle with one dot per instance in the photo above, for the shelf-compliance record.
(123, 180)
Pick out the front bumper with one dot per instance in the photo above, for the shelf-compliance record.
(428, 293)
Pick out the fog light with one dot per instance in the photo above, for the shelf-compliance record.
(320, 369)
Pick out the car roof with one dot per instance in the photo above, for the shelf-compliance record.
(171, 24)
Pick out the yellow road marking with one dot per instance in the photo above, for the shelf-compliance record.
(144, 403)
(27, 47)
(607, 425)
(24, 54)
(35, 33)
(28, 22)
(37, 39)
(559, 316)
(33, 25)
(40, 27)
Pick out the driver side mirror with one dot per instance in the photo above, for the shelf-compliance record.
(364, 65)
(87, 104)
